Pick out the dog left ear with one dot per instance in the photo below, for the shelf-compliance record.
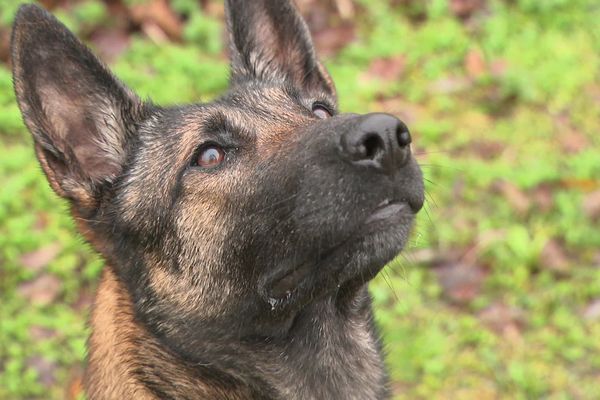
(270, 41)
(82, 119)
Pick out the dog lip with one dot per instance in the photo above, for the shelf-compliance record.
(385, 210)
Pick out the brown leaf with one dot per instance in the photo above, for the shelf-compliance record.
(319, 15)
(213, 9)
(475, 64)
(573, 141)
(592, 311)
(487, 149)
(41, 221)
(585, 185)
(498, 68)
(387, 69)
(591, 205)
(502, 319)
(594, 92)
(44, 368)
(596, 259)
(465, 8)
(50, 4)
(4, 44)
(331, 40)
(75, 387)
(554, 257)
(40, 258)
(84, 300)
(517, 199)
(345, 9)
(461, 283)
(570, 139)
(157, 15)
(543, 197)
(110, 43)
(40, 291)
(41, 332)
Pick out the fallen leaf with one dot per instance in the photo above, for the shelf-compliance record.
(554, 257)
(465, 8)
(503, 320)
(542, 197)
(40, 291)
(387, 69)
(110, 43)
(570, 139)
(461, 283)
(592, 311)
(50, 4)
(4, 44)
(84, 300)
(591, 205)
(573, 141)
(154, 33)
(475, 64)
(596, 259)
(331, 40)
(345, 9)
(41, 221)
(487, 149)
(213, 9)
(157, 15)
(36, 260)
(498, 68)
(594, 92)
(517, 199)
(41, 332)
(75, 388)
(585, 185)
(318, 14)
(44, 368)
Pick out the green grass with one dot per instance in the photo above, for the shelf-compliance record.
(513, 121)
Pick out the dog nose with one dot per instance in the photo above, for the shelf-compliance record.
(378, 140)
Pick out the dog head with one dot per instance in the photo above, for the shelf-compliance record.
(229, 217)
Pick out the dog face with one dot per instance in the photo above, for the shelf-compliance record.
(227, 218)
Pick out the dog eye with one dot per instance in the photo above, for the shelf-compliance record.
(210, 156)
(321, 111)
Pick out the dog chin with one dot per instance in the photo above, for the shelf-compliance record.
(355, 261)
(382, 237)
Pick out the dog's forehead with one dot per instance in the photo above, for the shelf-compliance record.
(264, 108)
(259, 115)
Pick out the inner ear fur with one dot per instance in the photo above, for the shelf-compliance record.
(81, 117)
(269, 41)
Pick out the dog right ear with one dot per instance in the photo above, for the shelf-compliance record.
(269, 41)
(81, 117)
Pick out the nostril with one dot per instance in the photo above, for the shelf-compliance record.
(373, 145)
(403, 136)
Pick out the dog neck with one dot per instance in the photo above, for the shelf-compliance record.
(323, 361)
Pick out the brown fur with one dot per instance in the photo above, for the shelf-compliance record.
(119, 345)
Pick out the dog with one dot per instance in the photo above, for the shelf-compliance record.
(239, 235)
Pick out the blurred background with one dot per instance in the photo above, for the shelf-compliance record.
(498, 294)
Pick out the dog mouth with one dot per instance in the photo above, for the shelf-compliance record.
(290, 275)
(385, 210)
